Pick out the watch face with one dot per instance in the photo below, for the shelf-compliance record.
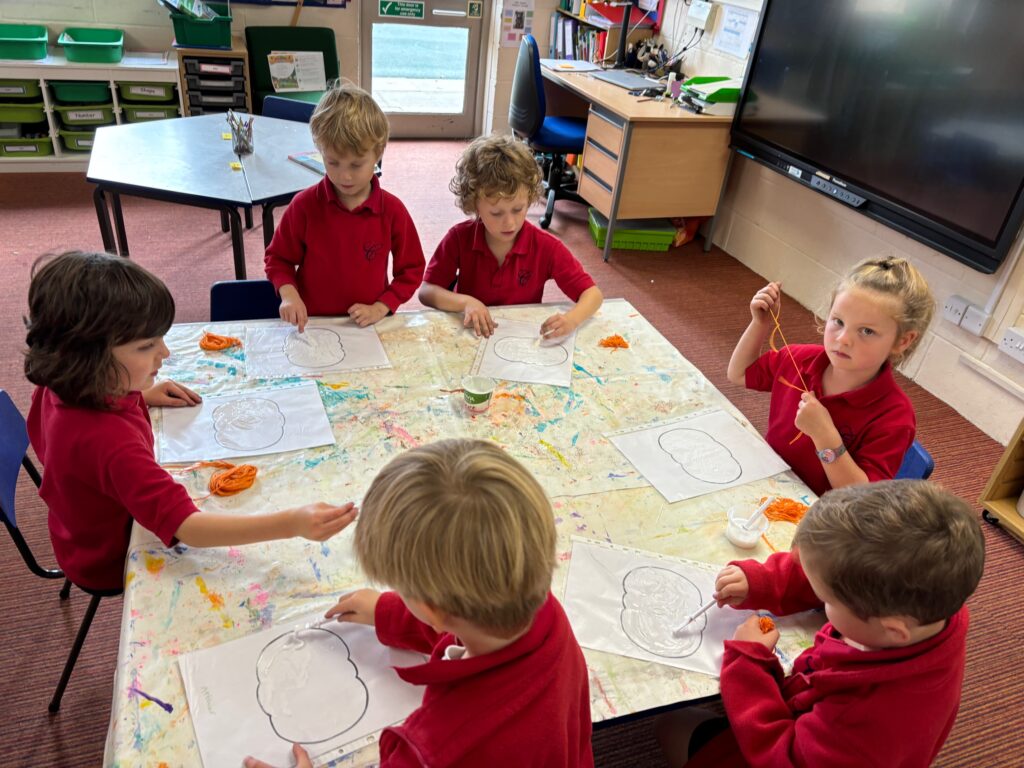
(827, 455)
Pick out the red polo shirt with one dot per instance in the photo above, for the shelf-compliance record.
(876, 421)
(100, 473)
(336, 257)
(527, 704)
(535, 258)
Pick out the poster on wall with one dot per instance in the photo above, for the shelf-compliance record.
(516, 21)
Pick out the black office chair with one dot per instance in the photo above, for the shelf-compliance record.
(243, 300)
(14, 457)
(552, 138)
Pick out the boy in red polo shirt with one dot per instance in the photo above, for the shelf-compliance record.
(329, 255)
(466, 536)
(499, 257)
(837, 415)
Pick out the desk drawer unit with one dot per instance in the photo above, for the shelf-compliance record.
(601, 159)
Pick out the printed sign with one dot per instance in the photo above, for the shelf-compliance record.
(404, 9)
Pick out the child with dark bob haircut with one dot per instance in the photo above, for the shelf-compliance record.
(95, 345)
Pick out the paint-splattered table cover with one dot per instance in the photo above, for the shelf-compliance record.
(177, 600)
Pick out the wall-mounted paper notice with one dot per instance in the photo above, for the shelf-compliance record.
(250, 423)
(329, 688)
(297, 71)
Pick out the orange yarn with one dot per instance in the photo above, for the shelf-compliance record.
(230, 480)
(774, 348)
(785, 510)
(213, 342)
(614, 342)
(766, 624)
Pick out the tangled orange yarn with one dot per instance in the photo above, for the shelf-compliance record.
(231, 478)
(785, 510)
(213, 342)
(766, 624)
(614, 342)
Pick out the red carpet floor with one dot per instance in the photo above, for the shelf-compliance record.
(697, 300)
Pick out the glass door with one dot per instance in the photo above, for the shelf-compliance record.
(421, 61)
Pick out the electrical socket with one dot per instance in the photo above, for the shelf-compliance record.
(699, 14)
(1012, 343)
(974, 320)
(954, 308)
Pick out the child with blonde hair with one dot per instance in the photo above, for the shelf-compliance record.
(329, 255)
(893, 564)
(96, 326)
(837, 415)
(466, 537)
(498, 257)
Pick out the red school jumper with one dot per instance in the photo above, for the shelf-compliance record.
(527, 704)
(841, 707)
(336, 257)
(876, 421)
(99, 474)
(535, 258)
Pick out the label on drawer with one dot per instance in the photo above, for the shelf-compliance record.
(146, 90)
(14, 90)
(85, 114)
(215, 69)
(84, 142)
(149, 115)
(30, 148)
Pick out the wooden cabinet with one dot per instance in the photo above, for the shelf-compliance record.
(999, 499)
(213, 80)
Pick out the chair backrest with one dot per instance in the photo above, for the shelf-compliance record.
(243, 300)
(288, 109)
(527, 107)
(260, 41)
(917, 463)
(13, 444)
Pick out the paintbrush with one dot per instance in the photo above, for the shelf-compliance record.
(693, 617)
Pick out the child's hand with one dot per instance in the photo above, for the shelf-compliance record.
(293, 308)
(731, 586)
(320, 521)
(766, 302)
(750, 632)
(358, 607)
(558, 326)
(814, 420)
(368, 314)
(170, 393)
(301, 759)
(477, 316)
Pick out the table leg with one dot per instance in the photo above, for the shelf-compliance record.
(122, 237)
(224, 227)
(103, 219)
(268, 223)
(237, 245)
(248, 217)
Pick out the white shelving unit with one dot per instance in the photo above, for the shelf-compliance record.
(135, 67)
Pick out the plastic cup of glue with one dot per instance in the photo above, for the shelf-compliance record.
(749, 537)
(478, 391)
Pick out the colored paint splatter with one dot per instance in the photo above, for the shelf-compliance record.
(133, 691)
(216, 601)
(236, 555)
(339, 394)
(554, 452)
(585, 372)
(401, 434)
(154, 564)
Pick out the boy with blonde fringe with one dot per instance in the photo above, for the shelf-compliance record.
(893, 563)
(329, 255)
(466, 537)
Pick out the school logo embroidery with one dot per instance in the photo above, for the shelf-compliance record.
(524, 276)
(846, 433)
(370, 250)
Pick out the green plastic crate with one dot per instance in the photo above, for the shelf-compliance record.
(141, 113)
(77, 141)
(633, 234)
(19, 89)
(23, 41)
(86, 114)
(146, 91)
(22, 113)
(203, 33)
(93, 45)
(26, 147)
(80, 91)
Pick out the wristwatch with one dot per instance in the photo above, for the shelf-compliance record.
(829, 455)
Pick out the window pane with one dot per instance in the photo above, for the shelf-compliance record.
(417, 68)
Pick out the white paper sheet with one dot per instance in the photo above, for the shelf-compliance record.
(326, 688)
(250, 423)
(629, 603)
(326, 346)
(697, 454)
(513, 354)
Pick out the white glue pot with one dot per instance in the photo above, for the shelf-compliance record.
(745, 538)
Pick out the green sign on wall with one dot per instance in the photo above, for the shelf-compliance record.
(405, 9)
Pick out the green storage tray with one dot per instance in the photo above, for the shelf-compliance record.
(26, 147)
(86, 114)
(203, 33)
(92, 44)
(141, 113)
(80, 91)
(633, 234)
(23, 41)
(19, 89)
(22, 113)
(146, 91)
(77, 141)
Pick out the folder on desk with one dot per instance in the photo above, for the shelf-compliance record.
(568, 65)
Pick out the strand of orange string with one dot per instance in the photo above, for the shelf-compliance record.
(782, 510)
(774, 348)
(214, 342)
(231, 478)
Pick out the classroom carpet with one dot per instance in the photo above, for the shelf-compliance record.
(697, 300)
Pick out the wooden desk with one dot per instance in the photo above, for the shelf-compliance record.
(181, 599)
(642, 159)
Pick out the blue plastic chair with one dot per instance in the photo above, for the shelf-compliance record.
(288, 109)
(243, 300)
(552, 138)
(917, 464)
